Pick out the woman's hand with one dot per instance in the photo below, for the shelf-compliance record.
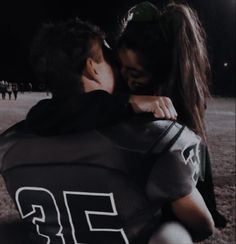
(161, 107)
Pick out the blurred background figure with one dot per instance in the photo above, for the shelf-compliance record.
(21, 87)
(15, 89)
(9, 89)
(30, 87)
(3, 89)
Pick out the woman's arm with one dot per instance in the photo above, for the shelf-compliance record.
(122, 105)
(192, 211)
(161, 107)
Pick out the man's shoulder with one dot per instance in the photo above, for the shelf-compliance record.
(14, 129)
(8, 138)
(52, 150)
(143, 133)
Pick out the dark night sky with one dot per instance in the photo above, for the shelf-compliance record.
(19, 20)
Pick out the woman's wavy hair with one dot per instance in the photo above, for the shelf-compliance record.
(173, 49)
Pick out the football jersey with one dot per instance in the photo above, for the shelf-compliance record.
(101, 186)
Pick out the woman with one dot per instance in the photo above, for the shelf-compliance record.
(164, 53)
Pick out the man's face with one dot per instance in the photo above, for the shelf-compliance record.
(137, 78)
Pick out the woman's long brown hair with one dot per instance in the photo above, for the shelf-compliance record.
(193, 67)
(173, 49)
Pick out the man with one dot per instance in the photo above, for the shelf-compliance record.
(80, 180)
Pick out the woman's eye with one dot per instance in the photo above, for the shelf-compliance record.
(135, 76)
(137, 85)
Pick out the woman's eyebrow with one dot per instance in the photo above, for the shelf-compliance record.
(134, 69)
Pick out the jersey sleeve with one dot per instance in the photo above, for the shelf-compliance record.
(176, 171)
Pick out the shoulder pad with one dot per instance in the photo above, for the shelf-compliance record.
(87, 148)
(143, 134)
(16, 128)
(8, 138)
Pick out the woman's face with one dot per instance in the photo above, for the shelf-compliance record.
(137, 78)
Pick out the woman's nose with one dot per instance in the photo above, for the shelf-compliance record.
(123, 72)
(130, 84)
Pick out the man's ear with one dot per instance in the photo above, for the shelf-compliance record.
(91, 69)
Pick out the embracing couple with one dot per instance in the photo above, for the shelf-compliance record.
(116, 154)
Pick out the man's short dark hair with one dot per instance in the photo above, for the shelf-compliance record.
(59, 52)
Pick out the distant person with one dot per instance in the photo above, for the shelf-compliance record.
(21, 87)
(15, 89)
(30, 87)
(3, 89)
(9, 89)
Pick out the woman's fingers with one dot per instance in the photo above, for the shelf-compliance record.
(158, 112)
(161, 107)
(165, 109)
(168, 103)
